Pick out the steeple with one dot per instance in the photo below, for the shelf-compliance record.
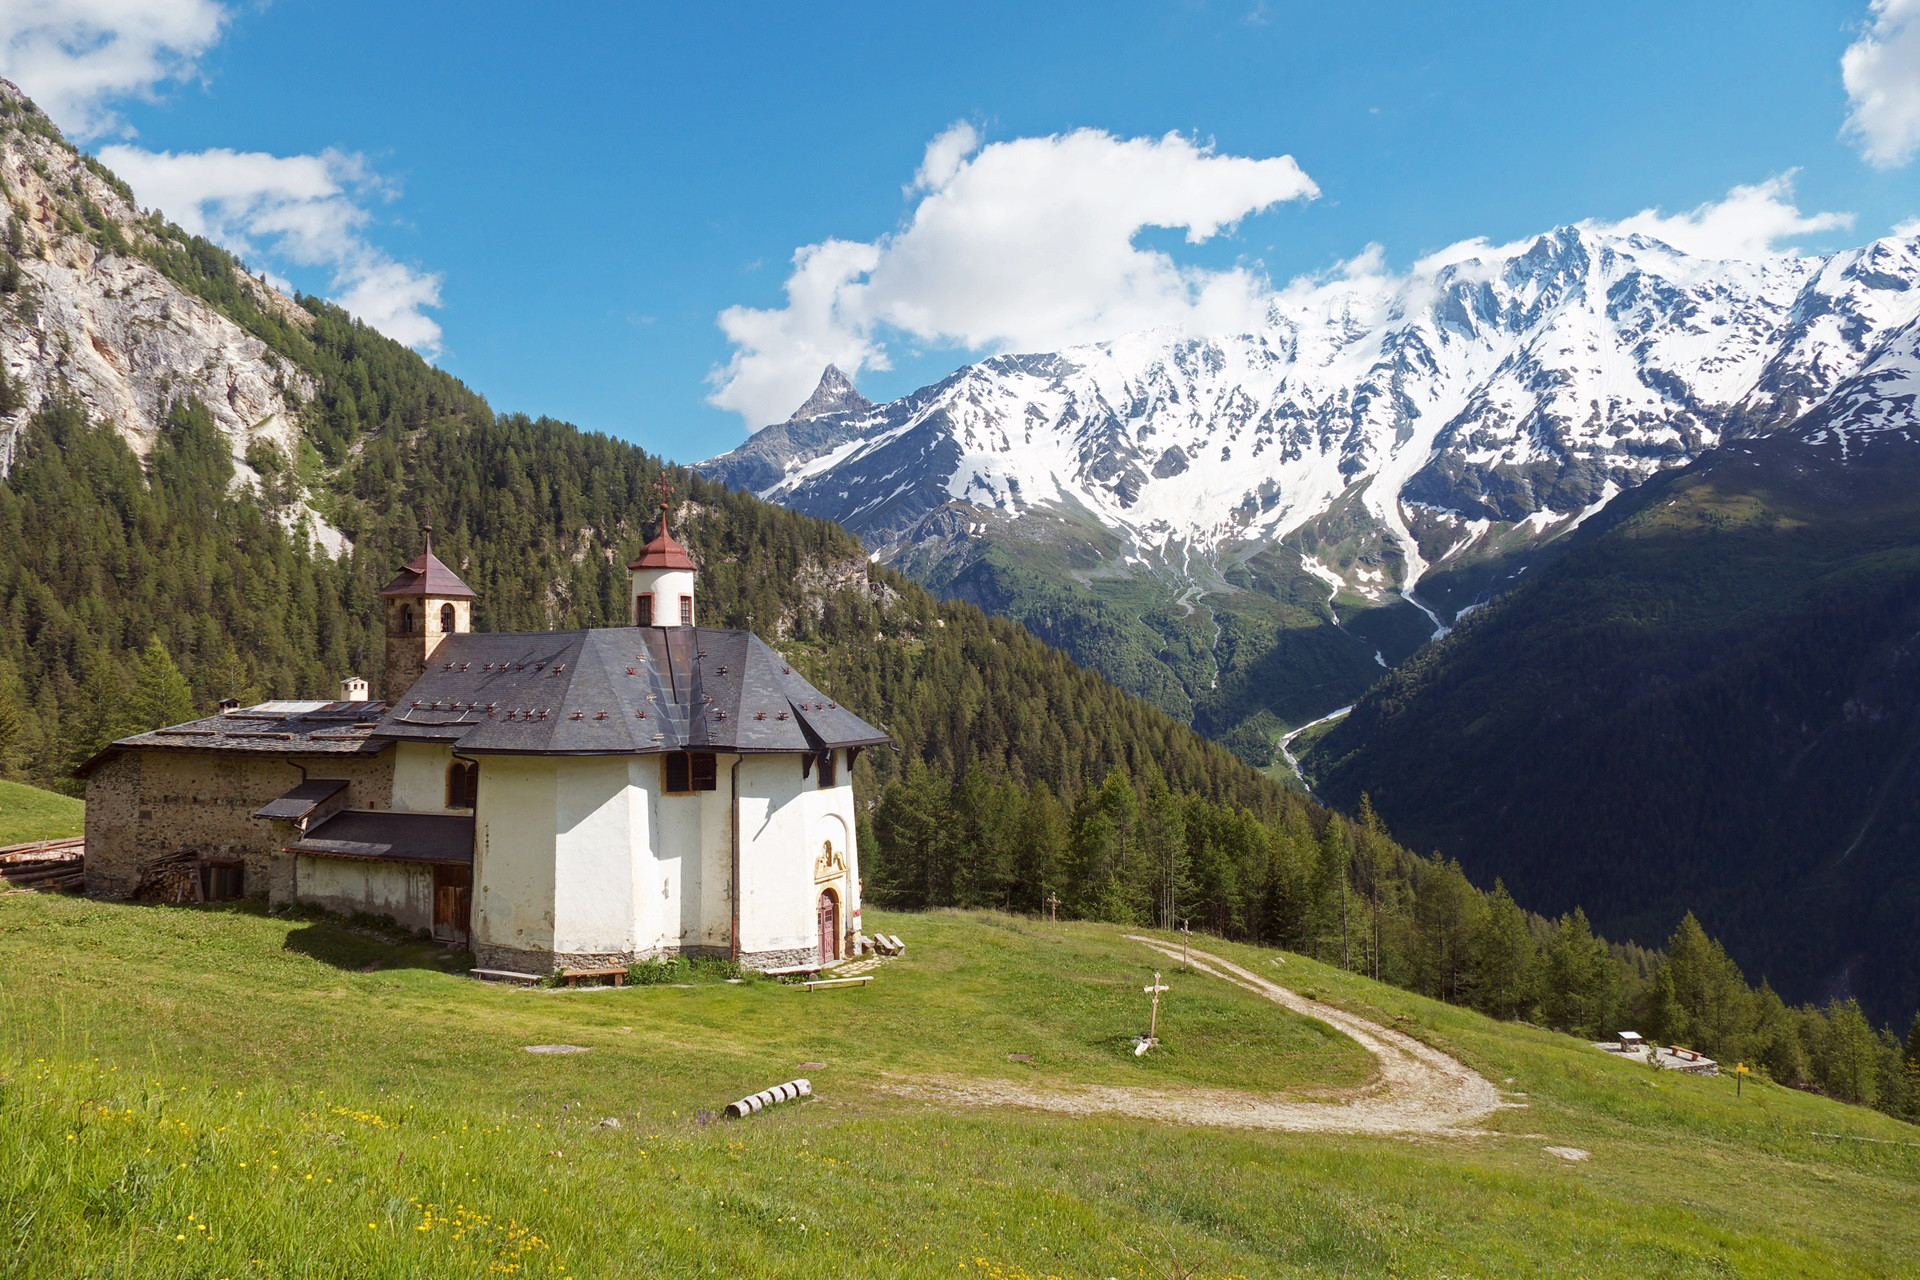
(426, 603)
(662, 578)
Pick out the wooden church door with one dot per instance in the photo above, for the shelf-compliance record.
(829, 927)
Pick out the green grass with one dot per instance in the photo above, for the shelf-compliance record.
(28, 813)
(212, 1092)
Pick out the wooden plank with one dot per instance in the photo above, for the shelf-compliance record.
(838, 982)
(506, 975)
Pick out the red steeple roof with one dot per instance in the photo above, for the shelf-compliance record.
(428, 576)
(664, 552)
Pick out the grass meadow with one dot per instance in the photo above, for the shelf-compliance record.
(28, 813)
(212, 1092)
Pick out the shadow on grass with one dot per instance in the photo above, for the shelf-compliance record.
(361, 943)
(368, 944)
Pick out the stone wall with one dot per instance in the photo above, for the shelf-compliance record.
(149, 808)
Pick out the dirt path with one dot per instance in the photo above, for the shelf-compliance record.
(1417, 1089)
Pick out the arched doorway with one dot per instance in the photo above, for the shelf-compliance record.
(829, 926)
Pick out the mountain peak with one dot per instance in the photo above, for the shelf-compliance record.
(835, 394)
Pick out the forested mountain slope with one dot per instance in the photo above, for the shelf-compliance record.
(1712, 702)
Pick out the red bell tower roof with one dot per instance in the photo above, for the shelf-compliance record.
(665, 551)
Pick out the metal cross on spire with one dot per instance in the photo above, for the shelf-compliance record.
(665, 489)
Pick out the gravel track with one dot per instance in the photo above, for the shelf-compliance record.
(1416, 1089)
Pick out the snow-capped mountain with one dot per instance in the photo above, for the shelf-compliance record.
(1524, 383)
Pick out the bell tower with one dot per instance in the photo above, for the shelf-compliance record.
(425, 604)
(661, 581)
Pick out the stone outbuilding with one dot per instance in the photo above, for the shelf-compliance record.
(548, 799)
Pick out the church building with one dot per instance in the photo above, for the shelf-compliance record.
(549, 799)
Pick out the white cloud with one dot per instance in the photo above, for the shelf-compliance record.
(76, 57)
(1911, 227)
(1027, 244)
(1751, 222)
(1882, 73)
(302, 210)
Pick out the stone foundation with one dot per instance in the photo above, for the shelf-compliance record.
(529, 960)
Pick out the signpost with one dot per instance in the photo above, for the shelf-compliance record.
(1739, 1077)
(1152, 1037)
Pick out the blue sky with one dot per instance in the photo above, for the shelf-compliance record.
(573, 196)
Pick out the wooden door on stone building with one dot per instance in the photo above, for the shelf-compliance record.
(829, 927)
(452, 903)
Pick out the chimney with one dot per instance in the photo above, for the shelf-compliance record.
(229, 705)
(353, 689)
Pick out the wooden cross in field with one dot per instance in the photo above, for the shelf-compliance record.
(1053, 907)
(1153, 1025)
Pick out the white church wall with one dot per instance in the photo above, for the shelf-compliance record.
(785, 819)
(684, 861)
(420, 776)
(403, 890)
(513, 874)
(594, 864)
(709, 918)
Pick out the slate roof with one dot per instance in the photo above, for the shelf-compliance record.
(303, 799)
(290, 728)
(427, 576)
(618, 690)
(392, 837)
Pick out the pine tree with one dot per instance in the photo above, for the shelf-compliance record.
(160, 693)
(1710, 988)
(1910, 1061)
(1847, 1053)
(1504, 955)
(12, 723)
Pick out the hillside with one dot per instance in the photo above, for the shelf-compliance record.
(1235, 527)
(157, 505)
(1708, 703)
(193, 1092)
(29, 813)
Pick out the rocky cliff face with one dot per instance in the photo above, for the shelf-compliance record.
(86, 314)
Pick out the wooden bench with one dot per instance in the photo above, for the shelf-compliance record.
(838, 982)
(505, 975)
(573, 976)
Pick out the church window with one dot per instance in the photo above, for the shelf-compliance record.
(406, 619)
(686, 772)
(463, 784)
(643, 610)
(686, 611)
(829, 775)
(446, 618)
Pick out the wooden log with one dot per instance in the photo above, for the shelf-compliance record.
(838, 982)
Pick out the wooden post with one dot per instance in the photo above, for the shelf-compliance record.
(1053, 907)
(1186, 941)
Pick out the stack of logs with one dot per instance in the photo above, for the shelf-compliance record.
(44, 865)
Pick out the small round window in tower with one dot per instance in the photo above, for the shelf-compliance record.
(446, 618)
